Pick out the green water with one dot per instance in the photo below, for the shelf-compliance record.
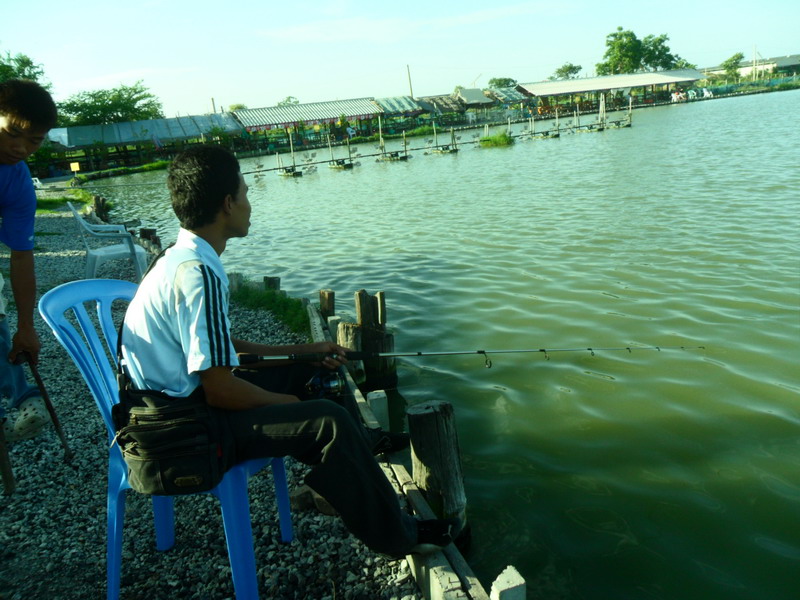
(650, 475)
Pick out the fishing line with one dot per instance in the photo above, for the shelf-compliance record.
(355, 355)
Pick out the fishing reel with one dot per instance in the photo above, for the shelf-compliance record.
(326, 385)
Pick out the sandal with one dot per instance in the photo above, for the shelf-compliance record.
(30, 421)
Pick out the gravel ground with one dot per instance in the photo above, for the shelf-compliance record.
(52, 530)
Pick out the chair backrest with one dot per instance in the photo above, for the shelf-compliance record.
(91, 341)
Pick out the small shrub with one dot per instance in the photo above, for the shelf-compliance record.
(497, 140)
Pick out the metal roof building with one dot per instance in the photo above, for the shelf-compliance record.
(508, 95)
(610, 82)
(312, 113)
(441, 104)
(399, 105)
(474, 98)
(156, 131)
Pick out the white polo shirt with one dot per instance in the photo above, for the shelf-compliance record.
(177, 324)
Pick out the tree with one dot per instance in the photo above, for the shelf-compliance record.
(239, 106)
(623, 53)
(656, 54)
(289, 101)
(21, 66)
(502, 82)
(681, 63)
(117, 105)
(731, 66)
(567, 71)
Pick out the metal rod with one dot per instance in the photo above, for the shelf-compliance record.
(352, 355)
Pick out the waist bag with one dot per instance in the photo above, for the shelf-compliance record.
(171, 446)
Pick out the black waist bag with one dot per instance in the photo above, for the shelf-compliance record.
(170, 445)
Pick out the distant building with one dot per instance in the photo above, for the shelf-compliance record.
(787, 65)
(611, 83)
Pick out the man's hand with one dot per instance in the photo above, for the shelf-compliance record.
(25, 340)
(335, 354)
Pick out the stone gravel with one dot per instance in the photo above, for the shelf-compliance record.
(52, 528)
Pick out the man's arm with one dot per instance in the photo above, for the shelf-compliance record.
(23, 284)
(224, 390)
(334, 359)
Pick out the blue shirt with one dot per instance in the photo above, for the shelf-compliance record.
(17, 206)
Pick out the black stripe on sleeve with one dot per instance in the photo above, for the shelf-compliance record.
(219, 343)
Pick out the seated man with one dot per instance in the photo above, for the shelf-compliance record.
(176, 338)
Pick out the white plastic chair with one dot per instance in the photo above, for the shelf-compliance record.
(126, 248)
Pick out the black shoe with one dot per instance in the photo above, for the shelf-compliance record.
(388, 441)
(435, 534)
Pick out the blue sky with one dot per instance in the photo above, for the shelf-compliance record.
(259, 52)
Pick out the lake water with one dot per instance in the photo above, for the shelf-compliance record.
(644, 475)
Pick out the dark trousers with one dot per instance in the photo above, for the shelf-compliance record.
(325, 436)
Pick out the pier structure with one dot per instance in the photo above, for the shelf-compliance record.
(435, 487)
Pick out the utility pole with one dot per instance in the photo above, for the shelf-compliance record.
(410, 89)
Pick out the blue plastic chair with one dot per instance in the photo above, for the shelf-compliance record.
(93, 356)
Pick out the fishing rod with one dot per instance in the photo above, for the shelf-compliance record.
(358, 355)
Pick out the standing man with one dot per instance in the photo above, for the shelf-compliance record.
(176, 340)
(27, 113)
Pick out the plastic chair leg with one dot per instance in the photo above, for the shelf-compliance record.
(91, 265)
(164, 520)
(282, 499)
(235, 504)
(116, 517)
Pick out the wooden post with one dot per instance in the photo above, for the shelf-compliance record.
(371, 318)
(509, 585)
(146, 233)
(235, 281)
(327, 303)
(349, 336)
(272, 283)
(5, 465)
(436, 458)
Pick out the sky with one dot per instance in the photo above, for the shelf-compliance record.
(199, 56)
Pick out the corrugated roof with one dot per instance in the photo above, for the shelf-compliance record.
(508, 94)
(137, 132)
(474, 96)
(791, 60)
(309, 113)
(442, 104)
(399, 105)
(610, 82)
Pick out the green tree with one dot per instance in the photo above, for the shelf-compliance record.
(20, 66)
(289, 101)
(502, 82)
(623, 53)
(656, 54)
(238, 106)
(566, 71)
(731, 66)
(117, 105)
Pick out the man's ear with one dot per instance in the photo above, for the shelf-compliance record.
(227, 204)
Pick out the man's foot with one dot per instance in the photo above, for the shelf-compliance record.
(384, 442)
(435, 534)
(31, 419)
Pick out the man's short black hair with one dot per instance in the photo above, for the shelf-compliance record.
(27, 104)
(198, 181)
